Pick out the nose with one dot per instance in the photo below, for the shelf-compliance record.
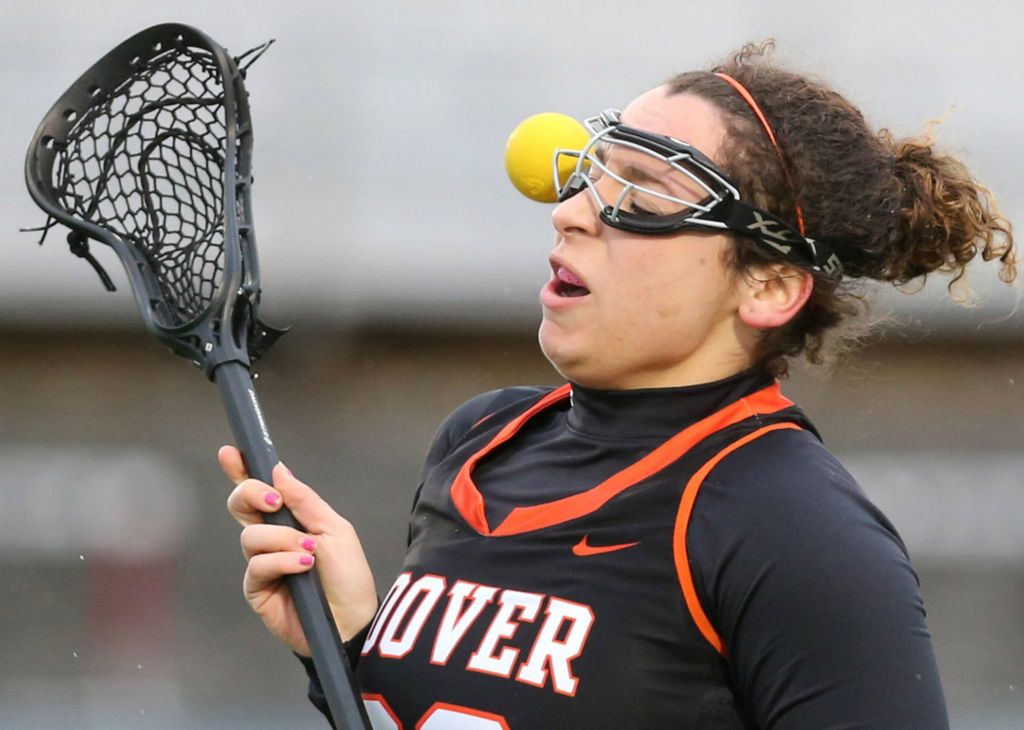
(576, 215)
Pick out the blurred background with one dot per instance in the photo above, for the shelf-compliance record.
(409, 268)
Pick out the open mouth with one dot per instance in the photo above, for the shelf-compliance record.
(567, 284)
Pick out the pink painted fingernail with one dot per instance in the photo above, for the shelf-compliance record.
(272, 498)
(306, 559)
(309, 544)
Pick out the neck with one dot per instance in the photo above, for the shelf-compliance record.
(698, 369)
(659, 412)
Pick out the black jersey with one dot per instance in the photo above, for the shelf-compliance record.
(651, 559)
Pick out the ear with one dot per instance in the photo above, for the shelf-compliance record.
(772, 295)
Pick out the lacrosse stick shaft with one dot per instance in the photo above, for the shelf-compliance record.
(253, 440)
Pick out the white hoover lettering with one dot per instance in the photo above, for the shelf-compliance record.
(560, 640)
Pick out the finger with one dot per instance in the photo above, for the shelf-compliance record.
(262, 538)
(306, 505)
(251, 499)
(231, 462)
(266, 570)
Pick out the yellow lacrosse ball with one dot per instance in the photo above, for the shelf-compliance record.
(529, 154)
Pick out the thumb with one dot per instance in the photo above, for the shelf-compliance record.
(232, 464)
(308, 507)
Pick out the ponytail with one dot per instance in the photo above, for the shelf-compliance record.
(946, 217)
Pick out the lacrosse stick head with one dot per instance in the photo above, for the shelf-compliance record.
(150, 153)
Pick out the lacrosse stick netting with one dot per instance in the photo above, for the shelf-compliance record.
(150, 153)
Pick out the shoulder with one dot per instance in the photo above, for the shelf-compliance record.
(478, 408)
(807, 583)
(786, 488)
(482, 406)
(783, 514)
(790, 477)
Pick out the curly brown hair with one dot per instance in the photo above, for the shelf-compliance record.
(896, 210)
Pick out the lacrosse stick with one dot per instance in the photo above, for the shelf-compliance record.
(150, 152)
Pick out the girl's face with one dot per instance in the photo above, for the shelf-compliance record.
(625, 310)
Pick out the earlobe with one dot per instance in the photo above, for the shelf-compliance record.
(772, 296)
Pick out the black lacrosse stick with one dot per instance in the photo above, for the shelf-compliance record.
(150, 152)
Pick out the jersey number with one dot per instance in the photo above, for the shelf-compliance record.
(440, 716)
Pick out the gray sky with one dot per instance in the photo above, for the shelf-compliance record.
(380, 128)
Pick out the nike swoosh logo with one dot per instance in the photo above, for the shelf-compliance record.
(583, 547)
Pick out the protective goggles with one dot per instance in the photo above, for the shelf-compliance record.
(663, 185)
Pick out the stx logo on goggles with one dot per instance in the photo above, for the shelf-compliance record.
(833, 266)
(763, 227)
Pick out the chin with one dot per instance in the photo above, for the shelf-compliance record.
(558, 352)
(575, 369)
(590, 362)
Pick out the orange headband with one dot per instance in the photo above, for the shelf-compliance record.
(771, 135)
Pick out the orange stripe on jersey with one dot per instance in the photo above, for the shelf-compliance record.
(683, 521)
(466, 496)
(470, 502)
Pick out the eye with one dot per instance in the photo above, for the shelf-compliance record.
(636, 209)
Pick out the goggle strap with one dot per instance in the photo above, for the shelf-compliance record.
(748, 97)
(772, 231)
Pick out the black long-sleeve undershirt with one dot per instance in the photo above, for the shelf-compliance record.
(806, 581)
